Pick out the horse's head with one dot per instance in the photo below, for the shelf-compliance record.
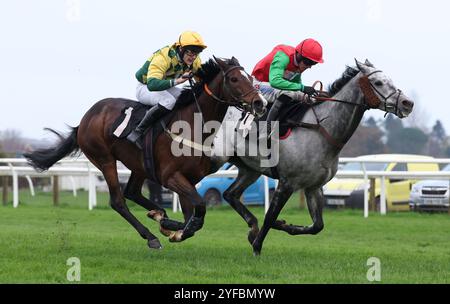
(238, 87)
(380, 92)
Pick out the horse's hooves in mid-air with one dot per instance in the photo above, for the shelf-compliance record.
(155, 215)
(165, 232)
(176, 236)
(154, 244)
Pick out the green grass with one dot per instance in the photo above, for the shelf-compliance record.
(36, 240)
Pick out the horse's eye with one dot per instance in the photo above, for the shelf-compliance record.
(233, 79)
(378, 83)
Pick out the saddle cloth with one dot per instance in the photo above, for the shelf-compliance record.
(131, 115)
(289, 115)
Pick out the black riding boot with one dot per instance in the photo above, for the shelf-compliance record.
(150, 117)
(275, 110)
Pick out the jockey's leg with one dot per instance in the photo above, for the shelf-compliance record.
(150, 117)
(278, 98)
(162, 102)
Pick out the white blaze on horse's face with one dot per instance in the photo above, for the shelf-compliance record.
(261, 97)
(243, 73)
(392, 99)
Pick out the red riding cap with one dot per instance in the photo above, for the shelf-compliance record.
(311, 49)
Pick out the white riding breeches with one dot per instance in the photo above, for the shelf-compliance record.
(166, 98)
(272, 94)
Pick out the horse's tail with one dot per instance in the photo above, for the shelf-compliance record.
(42, 159)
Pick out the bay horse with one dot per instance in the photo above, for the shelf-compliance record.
(222, 83)
(308, 158)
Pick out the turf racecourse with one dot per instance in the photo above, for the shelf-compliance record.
(36, 240)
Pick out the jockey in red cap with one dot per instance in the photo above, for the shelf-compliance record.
(282, 69)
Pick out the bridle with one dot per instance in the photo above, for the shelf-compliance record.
(371, 95)
(371, 101)
(385, 98)
(237, 101)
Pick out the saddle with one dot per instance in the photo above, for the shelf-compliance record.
(289, 117)
(131, 115)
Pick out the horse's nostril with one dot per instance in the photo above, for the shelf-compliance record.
(258, 105)
(408, 103)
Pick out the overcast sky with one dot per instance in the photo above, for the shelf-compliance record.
(58, 57)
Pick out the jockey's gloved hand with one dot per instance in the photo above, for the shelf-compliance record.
(309, 91)
(187, 75)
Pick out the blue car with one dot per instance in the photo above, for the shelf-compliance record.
(212, 189)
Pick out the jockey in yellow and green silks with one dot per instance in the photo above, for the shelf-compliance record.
(161, 73)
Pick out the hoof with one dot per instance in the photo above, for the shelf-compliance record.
(155, 215)
(256, 250)
(176, 236)
(165, 232)
(154, 244)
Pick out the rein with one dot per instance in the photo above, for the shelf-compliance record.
(238, 102)
(371, 102)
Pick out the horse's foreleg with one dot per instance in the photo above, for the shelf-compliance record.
(118, 203)
(173, 225)
(187, 192)
(315, 201)
(232, 195)
(280, 197)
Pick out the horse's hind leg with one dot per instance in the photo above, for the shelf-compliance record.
(109, 171)
(133, 191)
(315, 201)
(232, 195)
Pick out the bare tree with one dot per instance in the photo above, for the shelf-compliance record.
(11, 141)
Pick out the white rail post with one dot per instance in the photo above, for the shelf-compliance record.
(30, 183)
(15, 184)
(74, 186)
(266, 194)
(92, 194)
(175, 202)
(366, 192)
(383, 195)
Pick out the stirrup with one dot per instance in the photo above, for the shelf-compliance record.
(135, 138)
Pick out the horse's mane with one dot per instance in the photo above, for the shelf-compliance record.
(338, 84)
(206, 73)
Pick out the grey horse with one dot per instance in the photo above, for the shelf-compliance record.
(308, 159)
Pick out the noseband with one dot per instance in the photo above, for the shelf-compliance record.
(371, 95)
(372, 99)
(236, 101)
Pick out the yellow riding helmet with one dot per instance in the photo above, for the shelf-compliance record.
(191, 38)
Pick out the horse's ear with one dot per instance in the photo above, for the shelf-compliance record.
(234, 61)
(220, 62)
(368, 63)
(362, 67)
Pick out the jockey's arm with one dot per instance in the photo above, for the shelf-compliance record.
(276, 74)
